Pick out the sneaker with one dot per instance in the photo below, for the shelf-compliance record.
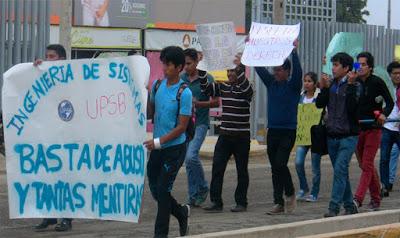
(330, 213)
(184, 221)
(311, 198)
(277, 209)
(356, 206)
(301, 195)
(64, 225)
(373, 206)
(201, 198)
(213, 208)
(44, 224)
(238, 208)
(291, 204)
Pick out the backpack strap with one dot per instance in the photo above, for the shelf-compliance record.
(152, 106)
(182, 88)
(158, 83)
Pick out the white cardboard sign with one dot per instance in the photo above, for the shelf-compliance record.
(269, 45)
(74, 133)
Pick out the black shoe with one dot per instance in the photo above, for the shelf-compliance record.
(238, 208)
(44, 224)
(184, 221)
(384, 193)
(330, 214)
(213, 208)
(64, 225)
(390, 187)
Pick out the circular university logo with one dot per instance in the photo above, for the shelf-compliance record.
(65, 110)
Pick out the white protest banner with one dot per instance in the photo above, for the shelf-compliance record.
(269, 45)
(74, 133)
(218, 41)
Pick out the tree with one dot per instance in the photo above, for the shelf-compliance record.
(351, 11)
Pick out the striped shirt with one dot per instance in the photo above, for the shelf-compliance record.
(236, 99)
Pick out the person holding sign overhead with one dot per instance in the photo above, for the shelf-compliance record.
(53, 53)
(234, 134)
(283, 98)
(341, 97)
(172, 103)
(308, 96)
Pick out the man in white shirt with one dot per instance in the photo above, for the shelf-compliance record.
(390, 131)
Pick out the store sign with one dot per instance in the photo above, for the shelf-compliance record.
(100, 38)
(158, 39)
(85, 37)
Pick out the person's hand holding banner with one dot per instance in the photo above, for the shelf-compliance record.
(269, 45)
(237, 59)
(296, 44)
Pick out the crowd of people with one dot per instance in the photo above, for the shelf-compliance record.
(356, 108)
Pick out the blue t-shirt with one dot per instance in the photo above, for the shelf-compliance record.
(166, 110)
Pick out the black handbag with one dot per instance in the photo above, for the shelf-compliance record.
(319, 144)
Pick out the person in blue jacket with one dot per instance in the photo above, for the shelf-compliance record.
(283, 97)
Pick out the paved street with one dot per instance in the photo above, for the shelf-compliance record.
(259, 196)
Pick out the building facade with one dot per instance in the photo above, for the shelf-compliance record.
(312, 10)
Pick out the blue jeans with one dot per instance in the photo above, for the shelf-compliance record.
(340, 152)
(394, 156)
(194, 170)
(301, 153)
(389, 138)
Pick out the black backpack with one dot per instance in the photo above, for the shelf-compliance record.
(190, 129)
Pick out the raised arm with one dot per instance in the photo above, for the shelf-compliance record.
(265, 76)
(212, 102)
(209, 88)
(296, 81)
(243, 86)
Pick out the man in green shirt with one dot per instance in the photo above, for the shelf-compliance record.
(198, 186)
